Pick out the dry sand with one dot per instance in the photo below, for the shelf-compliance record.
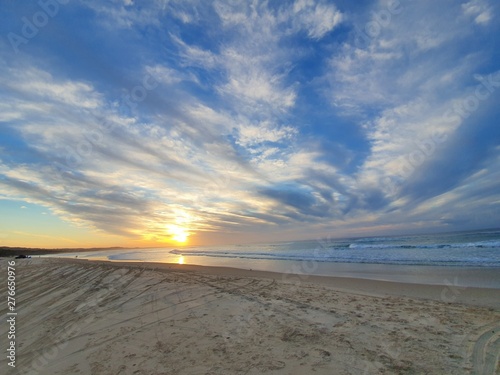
(81, 317)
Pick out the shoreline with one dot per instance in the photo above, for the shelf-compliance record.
(460, 276)
(448, 293)
(435, 274)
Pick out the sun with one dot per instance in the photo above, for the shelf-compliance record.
(177, 233)
(181, 236)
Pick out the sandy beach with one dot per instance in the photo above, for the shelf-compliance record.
(85, 317)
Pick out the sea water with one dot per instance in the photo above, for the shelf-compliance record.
(474, 249)
(429, 258)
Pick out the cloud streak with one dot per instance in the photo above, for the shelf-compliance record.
(276, 118)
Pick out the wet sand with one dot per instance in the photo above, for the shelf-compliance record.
(88, 317)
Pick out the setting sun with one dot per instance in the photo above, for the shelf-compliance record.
(178, 233)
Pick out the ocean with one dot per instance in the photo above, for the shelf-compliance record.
(481, 249)
(428, 258)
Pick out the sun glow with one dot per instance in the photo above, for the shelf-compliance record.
(177, 233)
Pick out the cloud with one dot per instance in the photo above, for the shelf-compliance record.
(479, 10)
(180, 162)
(253, 63)
(251, 135)
(35, 83)
(195, 56)
(317, 18)
(166, 75)
(254, 85)
(410, 91)
(277, 115)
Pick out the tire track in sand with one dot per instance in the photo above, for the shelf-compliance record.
(486, 351)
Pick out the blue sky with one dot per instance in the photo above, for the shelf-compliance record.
(143, 123)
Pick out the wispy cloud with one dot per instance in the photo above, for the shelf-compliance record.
(411, 93)
(317, 18)
(237, 117)
(479, 10)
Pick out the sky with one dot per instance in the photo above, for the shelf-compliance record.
(183, 122)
